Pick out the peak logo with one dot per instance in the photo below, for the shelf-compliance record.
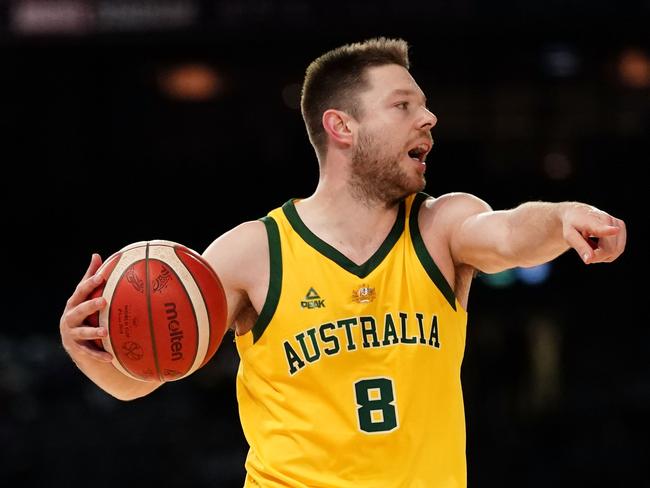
(312, 300)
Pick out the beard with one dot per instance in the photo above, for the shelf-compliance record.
(377, 176)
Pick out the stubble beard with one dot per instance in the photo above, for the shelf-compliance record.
(377, 177)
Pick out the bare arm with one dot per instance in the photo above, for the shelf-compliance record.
(240, 258)
(530, 234)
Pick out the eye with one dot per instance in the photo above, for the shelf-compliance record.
(403, 105)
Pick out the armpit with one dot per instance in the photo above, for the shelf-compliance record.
(245, 319)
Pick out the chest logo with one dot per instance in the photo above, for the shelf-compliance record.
(312, 300)
(363, 294)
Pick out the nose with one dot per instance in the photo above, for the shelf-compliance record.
(428, 119)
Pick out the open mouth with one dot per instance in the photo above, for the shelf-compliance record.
(419, 152)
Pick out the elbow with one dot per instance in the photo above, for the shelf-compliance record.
(124, 398)
(494, 267)
(504, 262)
(499, 259)
(133, 392)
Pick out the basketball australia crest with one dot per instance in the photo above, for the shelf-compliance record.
(363, 294)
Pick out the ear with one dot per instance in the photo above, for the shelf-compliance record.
(339, 126)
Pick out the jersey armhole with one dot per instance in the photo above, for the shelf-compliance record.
(275, 278)
(423, 255)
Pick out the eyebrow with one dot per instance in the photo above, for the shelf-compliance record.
(402, 91)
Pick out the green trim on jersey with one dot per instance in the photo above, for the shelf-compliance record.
(360, 270)
(275, 278)
(425, 258)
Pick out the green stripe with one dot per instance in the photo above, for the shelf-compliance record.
(360, 270)
(275, 278)
(423, 254)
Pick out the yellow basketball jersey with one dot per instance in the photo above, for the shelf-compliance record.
(351, 375)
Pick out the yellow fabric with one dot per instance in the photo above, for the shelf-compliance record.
(304, 427)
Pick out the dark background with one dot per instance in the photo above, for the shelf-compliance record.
(538, 100)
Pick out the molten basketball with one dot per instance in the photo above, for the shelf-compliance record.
(165, 312)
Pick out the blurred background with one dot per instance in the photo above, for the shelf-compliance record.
(132, 120)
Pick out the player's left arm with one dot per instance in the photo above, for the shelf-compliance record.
(530, 234)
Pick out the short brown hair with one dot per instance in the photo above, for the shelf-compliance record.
(335, 79)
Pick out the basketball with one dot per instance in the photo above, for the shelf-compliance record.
(166, 310)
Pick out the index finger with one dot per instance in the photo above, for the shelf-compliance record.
(603, 230)
(88, 283)
(95, 263)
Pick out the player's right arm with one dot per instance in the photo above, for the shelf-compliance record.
(78, 339)
(240, 258)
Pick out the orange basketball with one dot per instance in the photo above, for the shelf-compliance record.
(166, 310)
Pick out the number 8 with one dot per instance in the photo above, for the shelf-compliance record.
(376, 408)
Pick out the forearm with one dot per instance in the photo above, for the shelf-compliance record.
(530, 234)
(113, 382)
(535, 233)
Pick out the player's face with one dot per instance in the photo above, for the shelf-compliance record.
(393, 136)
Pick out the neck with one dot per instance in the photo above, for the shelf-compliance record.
(354, 226)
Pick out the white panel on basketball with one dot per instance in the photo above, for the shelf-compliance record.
(134, 245)
(165, 252)
(132, 254)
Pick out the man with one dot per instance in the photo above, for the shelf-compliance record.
(349, 306)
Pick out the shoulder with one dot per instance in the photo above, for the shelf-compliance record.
(240, 258)
(438, 220)
(239, 250)
(456, 203)
(250, 230)
(241, 245)
(450, 210)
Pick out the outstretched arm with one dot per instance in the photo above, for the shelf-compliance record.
(530, 234)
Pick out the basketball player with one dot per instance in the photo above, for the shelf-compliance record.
(349, 306)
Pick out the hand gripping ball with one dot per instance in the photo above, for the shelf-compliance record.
(166, 310)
